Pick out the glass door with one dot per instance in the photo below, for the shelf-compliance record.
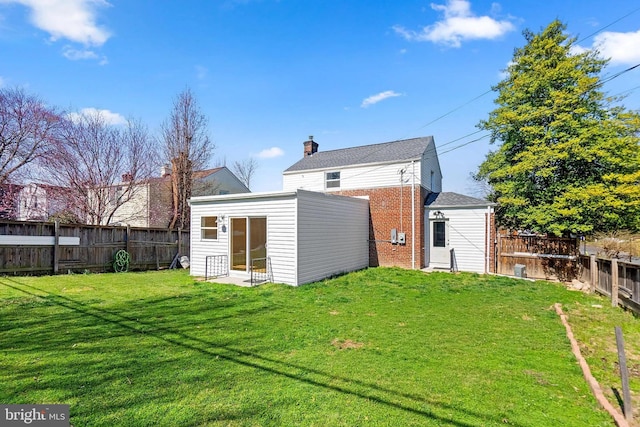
(239, 244)
(248, 242)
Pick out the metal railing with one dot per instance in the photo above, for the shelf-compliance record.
(216, 266)
(261, 271)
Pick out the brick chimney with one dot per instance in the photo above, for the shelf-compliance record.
(310, 147)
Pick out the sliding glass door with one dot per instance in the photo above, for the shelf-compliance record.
(248, 241)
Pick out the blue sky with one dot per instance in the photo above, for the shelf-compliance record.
(269, 73)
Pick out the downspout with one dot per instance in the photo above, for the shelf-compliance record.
(413, 214)
(488, 241)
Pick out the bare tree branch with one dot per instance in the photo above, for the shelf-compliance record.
(103, 166)
(27, 129)
(188, 148)
(245, 170)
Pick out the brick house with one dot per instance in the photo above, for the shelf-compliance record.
(314, 228)
(395, 176)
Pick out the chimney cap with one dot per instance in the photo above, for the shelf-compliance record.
(310, 137)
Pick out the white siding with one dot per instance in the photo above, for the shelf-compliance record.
(307, 180)
(430, 164)
(333, 233)
(281, 230)
(352, 177)
(467, 229)
(135, 211)
(226, 182)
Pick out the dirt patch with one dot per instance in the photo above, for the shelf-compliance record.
(334, 312)
(346, 344)
(537, 376)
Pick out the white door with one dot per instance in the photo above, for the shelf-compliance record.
(439, 243)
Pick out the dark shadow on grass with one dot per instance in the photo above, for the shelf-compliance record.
(619, 398)
(230, 354)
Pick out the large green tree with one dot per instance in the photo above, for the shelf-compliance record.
(568, 159)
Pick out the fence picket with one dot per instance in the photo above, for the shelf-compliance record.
(149, 248)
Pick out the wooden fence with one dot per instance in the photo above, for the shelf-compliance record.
(551, 258)
(50, 248)
(613, 278)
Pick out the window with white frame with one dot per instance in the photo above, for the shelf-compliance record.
(332, 180)
(209, 227)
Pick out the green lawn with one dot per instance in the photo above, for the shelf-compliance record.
(383, 347)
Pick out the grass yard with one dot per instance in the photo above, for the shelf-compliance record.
(380, 347)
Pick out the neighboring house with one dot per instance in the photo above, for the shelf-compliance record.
(410, 222)
(150, 204)
(38, 202)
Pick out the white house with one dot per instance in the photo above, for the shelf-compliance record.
(460, 232)
(150, 202)
(409, 221)
(306, 235)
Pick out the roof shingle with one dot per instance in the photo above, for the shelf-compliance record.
(407, 149)
(448, 199)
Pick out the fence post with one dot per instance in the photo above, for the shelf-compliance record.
(614, 282)
(56, 247)
(624, 375)
(594, 273)
(126, 239)
(179, 240)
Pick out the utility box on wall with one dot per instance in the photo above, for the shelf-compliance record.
(520, 270)
(402, 239)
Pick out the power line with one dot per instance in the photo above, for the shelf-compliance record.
(458, 139)
(491, 90)
(456, 109)
(465, 144)
(608, 25)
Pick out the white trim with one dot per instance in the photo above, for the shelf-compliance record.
(15, 240)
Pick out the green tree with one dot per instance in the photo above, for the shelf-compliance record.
(568, 159)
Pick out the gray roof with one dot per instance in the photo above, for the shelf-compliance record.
(403, 150)
(449, 200)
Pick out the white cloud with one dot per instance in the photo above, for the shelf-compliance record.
(74, 20)
(81, 54)
(459, 24)
(622, 48)
(270, 153)
(109, 117)
(374, 99)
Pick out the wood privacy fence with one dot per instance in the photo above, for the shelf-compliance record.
(542, 257)
(51, 248)
(616, 279)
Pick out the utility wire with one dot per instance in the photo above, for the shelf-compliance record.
(608, 25)
(491, 90)
(462, 145)
(456, 109)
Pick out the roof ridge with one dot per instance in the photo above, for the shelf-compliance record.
(374, 144)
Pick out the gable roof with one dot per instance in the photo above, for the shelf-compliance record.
(402, 150)
(454, 200)
(206, 172)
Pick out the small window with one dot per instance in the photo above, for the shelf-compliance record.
(332, 180)
(439, 234)
(209, 227)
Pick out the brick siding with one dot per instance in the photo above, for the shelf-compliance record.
(390, 208)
